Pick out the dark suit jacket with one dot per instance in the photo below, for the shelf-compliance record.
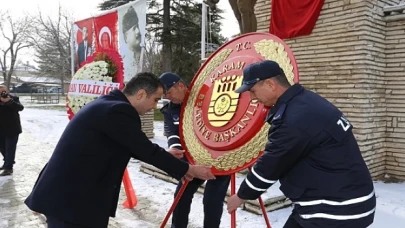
(10, 124)
(81, 52)
(81, 182)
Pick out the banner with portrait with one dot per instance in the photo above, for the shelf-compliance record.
(83, 42)
(106, 31)
(121, 29)
(132, 29)
(106, 52)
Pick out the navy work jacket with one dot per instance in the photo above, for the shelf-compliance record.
(312, 151)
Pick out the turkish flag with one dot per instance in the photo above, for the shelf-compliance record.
(292, 18)
(106, 31)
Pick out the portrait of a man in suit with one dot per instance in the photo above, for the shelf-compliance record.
(84, 48)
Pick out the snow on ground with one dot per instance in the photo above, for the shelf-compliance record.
(155, 196)
(390, 205)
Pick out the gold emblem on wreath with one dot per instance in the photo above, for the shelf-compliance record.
(237, 157)
(224, 100)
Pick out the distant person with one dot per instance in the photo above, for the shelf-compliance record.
(80, 185)
(10, 128)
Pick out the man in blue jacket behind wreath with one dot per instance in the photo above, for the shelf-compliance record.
(215, 190)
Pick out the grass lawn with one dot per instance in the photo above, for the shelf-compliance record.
(158, 116)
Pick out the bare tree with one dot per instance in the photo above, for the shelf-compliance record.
(15, 35)
(166, 36)
(152, 55)
(52, 42)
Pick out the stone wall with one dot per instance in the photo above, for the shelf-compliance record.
(344, 60)
(395, 97)
(147, 124)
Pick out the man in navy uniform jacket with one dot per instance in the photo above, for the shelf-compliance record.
(80, 185)
(312, 151)
(215, 190)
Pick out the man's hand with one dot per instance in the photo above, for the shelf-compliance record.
(187, 177)
(234, 202)
(200, 172)
(176, 152)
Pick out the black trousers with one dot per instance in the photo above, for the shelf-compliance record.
(8, 146)
(214, 194)
(56, 223)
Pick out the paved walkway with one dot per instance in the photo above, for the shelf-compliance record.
(31, 156)
(14, 189)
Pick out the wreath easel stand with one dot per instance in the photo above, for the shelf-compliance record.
(233, 214)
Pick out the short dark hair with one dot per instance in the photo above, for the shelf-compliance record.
(282, 80)
(146, 81)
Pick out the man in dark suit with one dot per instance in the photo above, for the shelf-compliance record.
(10, 128)
(84, 48)
(80, 185)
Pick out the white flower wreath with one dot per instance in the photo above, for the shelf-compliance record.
(96, 71)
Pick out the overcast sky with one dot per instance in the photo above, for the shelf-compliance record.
(86, 8)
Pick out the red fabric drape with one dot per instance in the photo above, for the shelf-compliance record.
(292, 18)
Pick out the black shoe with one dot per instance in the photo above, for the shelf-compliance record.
(6, 172)
(1, 168)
